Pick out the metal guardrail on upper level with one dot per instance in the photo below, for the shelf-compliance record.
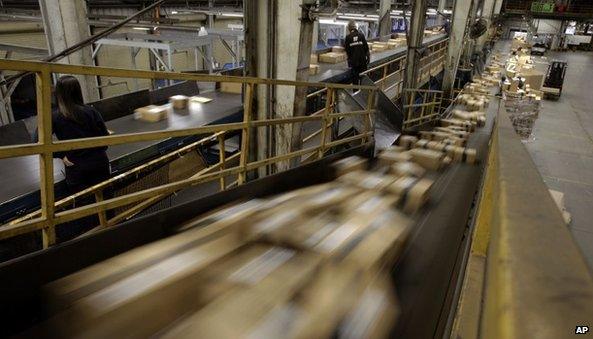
(49, 216)
(391, 79)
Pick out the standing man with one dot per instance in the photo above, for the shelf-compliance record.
(358, 52)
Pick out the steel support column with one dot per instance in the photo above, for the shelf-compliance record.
(497, 7)
(470, 43)
(415, 38)
(487, 10)
(384, 18)
(441, 9)
(461, 10)
(65, 25)
(257, 20)
(304, 60)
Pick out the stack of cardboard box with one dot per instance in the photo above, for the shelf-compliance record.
(151, 113)
(332, 57)
(314, 65)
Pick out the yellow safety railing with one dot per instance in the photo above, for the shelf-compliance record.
(525, 276)
(392, 71)
(49, 216)
(419, 113)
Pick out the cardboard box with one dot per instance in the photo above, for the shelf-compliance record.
(179, 101)
(533, 78)
(414, 192)
(380, 46)
(332, 57)
(231, 87)
(350, 164)
(338, 49)
(407, 168)
(314, 59)
(367, 180)
(313, 69)
(286, 273)
(388, 158)
(151, 113)
(429, 159)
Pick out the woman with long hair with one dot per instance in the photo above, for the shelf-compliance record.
(75, 120)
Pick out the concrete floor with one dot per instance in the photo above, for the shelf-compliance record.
(562, 147)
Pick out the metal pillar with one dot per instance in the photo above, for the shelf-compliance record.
(287, 27)
(487, 10)
(441, 9)
(315, 39)
(468, 49)
(210, 47)
(384, 18)
(415, 37)
(259, 46)
(461, 9)
(65, 24)
(497, 7)
(304, 60)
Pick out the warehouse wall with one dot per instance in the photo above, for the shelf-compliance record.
(22, 33)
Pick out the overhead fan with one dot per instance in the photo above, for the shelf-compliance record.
(478, 28)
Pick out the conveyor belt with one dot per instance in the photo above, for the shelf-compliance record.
(425, 275)
(340, 73)
(224, 107)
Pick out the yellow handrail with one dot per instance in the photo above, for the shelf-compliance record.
(47, 219)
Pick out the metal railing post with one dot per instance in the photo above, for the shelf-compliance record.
(222, 159)
(329, 98)
(246, 134)
(101, 214)
(46, 168)
(368, 123)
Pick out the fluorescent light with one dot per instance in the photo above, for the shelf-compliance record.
(232, 15)
(351, 14)
(174, 12)
(447, 11)
(346, 17)
(327, 21)
(142, 28)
